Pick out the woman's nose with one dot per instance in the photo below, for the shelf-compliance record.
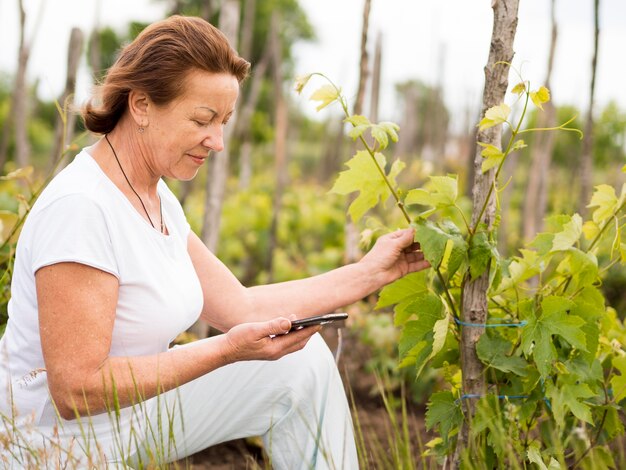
(215, 139)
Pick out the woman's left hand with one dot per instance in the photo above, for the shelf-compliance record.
(394, 255)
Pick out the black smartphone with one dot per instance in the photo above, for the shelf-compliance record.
(317, 320)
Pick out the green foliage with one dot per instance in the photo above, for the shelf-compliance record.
(560, 367)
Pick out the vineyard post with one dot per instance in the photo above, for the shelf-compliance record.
(474, 297)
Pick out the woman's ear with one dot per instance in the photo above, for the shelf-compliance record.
(138, 103)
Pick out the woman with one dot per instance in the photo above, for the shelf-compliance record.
(108, 273)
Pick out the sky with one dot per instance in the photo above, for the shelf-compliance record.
(443, 41)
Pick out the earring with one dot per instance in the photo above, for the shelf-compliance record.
(141, 129)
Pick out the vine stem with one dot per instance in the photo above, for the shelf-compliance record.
(394, 194)
(514, 133)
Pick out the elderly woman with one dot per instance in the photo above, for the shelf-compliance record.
(108, 273)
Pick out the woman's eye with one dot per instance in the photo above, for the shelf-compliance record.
(200, 123)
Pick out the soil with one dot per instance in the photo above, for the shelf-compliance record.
(369, 414)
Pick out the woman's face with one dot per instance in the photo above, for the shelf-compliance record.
(182, 133)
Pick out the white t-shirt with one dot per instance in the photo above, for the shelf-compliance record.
(83, 217)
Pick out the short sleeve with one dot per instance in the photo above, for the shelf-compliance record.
(72, 228)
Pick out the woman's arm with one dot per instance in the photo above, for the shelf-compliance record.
(76, 315)
(393, 256)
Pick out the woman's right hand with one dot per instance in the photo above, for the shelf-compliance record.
(269, 340)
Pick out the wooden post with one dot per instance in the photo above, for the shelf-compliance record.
(474, 301)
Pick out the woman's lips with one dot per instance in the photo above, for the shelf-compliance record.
(198, 160)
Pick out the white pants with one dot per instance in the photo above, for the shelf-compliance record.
(297, 404)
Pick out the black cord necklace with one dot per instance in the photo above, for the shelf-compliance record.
(133, 189)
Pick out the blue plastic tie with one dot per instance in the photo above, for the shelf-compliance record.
(491, 325)
(501, 397)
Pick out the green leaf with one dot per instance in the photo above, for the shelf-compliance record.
(541, 96)
(589, 310)
(494, 116)
(618, 382)
(325, 95)
(492, 154)
(301, 81)
(417, 341)
(434, 243)
(443, 412)
(612, 422)
(403, 293)
(598, 458)
(405, 288)
(391, 128)
(380, 136)
(442, 191)
(360, 124)
(357, 120)
(606, 202)
(481, 251)
(364, 177)
(522, 268)
(519, 88)
(542, 243)
(582, 266)
(537, 334)
(567, 397)
(494, 352)
(519, 144)
(570, 234)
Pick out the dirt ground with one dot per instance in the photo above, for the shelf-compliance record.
(370, 412)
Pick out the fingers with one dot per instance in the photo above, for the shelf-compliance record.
(278, 326)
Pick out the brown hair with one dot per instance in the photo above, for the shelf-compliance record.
(156, 63)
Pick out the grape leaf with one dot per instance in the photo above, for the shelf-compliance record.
(443, 411)
(537, 335)
(583, 267)
(481, 251)
(494, 116)
(599, 458)
(618, 382)
(612, 422)
(569, 235)
(494, 352)
(326, 95)
(364, 177)
(567, 397)
(417, 341)
(442, 191)
(534, 456)
(492, 154)
(360, 124)
(391, 128)
(606, 203)
(434, 241)
(519, 88)
(589, 310)
(301, 81)
(542, 95)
